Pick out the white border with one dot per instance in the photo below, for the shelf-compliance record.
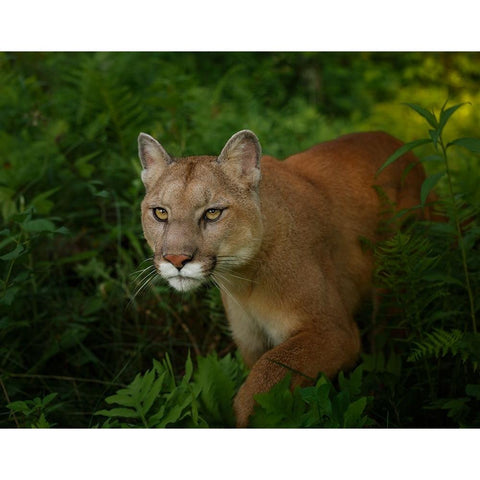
(247, 25)
(239, 454)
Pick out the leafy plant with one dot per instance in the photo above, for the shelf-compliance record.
(16, 247)
(462, 410)
(436, 344)
(156, 399)
(431, 275)
(33, 413)
(455, 205)
(203, 398)
(320, 405)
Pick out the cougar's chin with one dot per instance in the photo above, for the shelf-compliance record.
(184, 284)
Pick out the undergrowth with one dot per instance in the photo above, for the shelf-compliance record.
(204, 397)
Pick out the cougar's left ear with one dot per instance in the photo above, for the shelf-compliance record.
(241, 157)
(152, 155)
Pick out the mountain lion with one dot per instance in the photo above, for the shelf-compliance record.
(281, 239)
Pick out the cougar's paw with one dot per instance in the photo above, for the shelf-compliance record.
(243, 406)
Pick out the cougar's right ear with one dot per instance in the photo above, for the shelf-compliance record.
(152, 155)
(240, 157)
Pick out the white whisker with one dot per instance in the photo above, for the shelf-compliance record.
(143, 280)
(145, 283)
(139, 273)
(223, 287)
(226, 272)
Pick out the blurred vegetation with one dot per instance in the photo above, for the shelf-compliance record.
(72, 330)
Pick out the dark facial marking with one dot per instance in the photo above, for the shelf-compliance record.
(189, 171)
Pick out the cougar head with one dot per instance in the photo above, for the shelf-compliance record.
(201, 215)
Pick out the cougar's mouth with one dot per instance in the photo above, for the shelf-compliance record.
(187, 278)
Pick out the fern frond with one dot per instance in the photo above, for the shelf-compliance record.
(437, 344)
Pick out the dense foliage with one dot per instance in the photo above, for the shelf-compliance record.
(79, 330)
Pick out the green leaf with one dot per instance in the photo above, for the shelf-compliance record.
(48, 399)
(126, 396)
(353, 415)
(216, 381)
(42, 203)
(455, 406)
(428, 185)
(402, 150)
(118, 412)
(62, 231)
(9, 295)
(353, 384)
(274, 407)
(471, 144)
(13, 254)
(42, 422)
(153, 393)
(178, 405)
(19, 407)
(85, 169)
(444, 228)
(6, 241)
(188, 368)
(434, 157)
(319, 411)
(437, 343)
(444, 278)
(434, 135)
(427, 115)
(446, 114)
(473, 390)
(173, 416)
(39, 226)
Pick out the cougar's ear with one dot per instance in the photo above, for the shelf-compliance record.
(152, 155)
(241, 157)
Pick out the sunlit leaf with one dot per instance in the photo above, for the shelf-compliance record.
(428, 116)
(472, 144)
(446, 114)
(402, 150)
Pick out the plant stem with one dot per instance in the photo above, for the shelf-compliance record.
(10, 267)
(460, 239)
(8, 401)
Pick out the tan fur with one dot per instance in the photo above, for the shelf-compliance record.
(286, 251)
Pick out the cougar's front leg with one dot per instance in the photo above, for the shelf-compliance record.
(308, 352)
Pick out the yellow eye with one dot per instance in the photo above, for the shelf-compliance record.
(160, 214)
(213, 214)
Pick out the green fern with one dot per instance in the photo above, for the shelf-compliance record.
(440, 343)
(437, 344)
(156, 400)
(407, 268)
